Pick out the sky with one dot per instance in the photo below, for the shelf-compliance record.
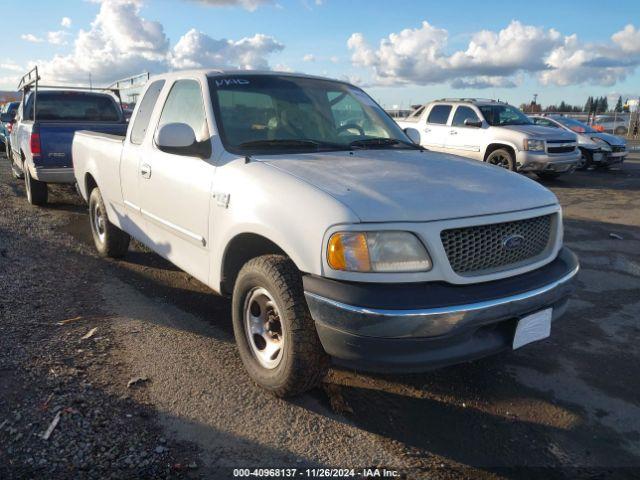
(401, 52)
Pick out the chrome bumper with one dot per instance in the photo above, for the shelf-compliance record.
(53, 175)
(432, 322)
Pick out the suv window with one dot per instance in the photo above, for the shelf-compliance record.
(185, 105)
(141, 123)
(416, 113)
(463, 113)
(544, 122)
(439, 114)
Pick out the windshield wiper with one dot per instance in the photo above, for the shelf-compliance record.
(382, 142)
(280, 142)
(293, 143)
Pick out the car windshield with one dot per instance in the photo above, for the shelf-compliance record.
(575, 125)
(74, 107)
(501, 115)
(275, 113)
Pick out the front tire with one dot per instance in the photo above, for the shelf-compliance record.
(110, 241)
(586, 160)
(273, 328)
(37, 191)
(502, 158)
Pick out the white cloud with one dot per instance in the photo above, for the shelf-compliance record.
(628, 39)
(196, 49)
(495, 59)
(120, 42)
(29, 37)
(309, 58)
(13, 67)
(334, 59)
(57, 38)
(250, 5)
(65, 22)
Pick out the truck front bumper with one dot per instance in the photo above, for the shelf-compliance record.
(543, 162)
(416, 327)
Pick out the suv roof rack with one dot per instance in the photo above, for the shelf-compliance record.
(468, 99)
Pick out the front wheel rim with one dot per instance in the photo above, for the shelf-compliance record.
(98, 222)
(263, 327)
(500, 161)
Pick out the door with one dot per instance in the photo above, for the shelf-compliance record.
(465, 140)
(175, 190)
(133, 154)
(434, 133)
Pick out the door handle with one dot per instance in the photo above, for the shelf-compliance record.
(427, 130)
(452, 132)
(145, 170)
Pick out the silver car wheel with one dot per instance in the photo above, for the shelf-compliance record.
(98, 222)
(263, 327)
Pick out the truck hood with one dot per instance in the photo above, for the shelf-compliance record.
(546, 133)
(413, 186)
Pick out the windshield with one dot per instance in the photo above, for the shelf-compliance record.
(501, 115)
(574, 125)
(74, 107)
(271, 113)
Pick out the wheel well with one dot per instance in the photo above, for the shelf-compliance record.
(496, 146)
(89, 183)
(239, 251)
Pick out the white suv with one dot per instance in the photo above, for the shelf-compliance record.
(493, 132)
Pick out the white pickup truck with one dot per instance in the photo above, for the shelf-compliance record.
(335, 235)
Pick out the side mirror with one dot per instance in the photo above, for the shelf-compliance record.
(180, 139)
(7, 117)
(413, 134)
(473, 123)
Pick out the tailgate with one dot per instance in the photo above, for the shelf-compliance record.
(56, 139)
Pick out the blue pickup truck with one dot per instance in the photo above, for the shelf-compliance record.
(45, 124)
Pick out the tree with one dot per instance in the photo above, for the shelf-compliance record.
(588, 107)
(604, 104)
(619, 105)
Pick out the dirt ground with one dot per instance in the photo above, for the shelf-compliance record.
(136, 361)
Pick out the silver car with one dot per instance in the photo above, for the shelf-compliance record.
(598, 148)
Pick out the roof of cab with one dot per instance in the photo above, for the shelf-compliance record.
(208, 72)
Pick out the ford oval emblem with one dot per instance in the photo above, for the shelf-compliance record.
(512, 242)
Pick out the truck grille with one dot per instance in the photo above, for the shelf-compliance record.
(488, 248)
(551, 149)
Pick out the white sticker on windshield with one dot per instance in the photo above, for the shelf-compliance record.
(226, 82)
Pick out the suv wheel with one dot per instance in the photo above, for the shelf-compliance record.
(502, 158)
(586, 160)
(110, 241)
(274, 331)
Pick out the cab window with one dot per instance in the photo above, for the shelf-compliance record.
(185, 105)
(148, 102)
(462, 114)
(439, 114)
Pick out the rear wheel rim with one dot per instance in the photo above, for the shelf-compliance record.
(98, 222)
(263, 328)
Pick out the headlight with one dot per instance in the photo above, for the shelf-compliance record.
(534, 145)
(601, 143)
(387, 251)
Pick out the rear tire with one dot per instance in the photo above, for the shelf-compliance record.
(502, 158)
(110, 241)
(37, 191)
(621, 131)
(274, 331)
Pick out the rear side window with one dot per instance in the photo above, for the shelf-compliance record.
(141, 122)
(462, 114)
(439, 114)
(74, 107)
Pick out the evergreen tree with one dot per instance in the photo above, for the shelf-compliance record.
(589, 105)
(619, 105)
